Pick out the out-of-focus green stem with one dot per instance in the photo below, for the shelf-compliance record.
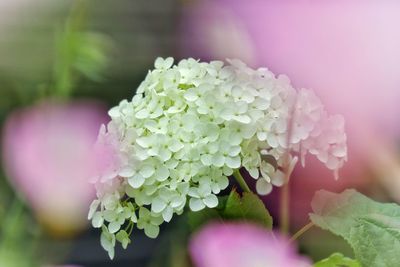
(304, 229)
(65, 52)
(284, 208)
(242, 183)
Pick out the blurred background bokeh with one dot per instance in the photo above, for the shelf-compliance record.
(64, 63)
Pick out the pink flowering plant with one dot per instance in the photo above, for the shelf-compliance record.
(193, 128)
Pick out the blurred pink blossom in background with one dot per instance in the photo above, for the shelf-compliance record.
(48, 156)
(238, 245)
(12, 12)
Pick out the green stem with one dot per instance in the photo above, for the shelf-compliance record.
(284, 208)
(304, 229)
(242, 183)
(66, 50)
(129, 229)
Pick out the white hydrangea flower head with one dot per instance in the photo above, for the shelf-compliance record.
(189, 127)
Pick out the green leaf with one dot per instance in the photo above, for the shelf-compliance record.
(90, 59)
(202, 217)
(249, 207)
(337, 260)
(371, 228)
(199, 218)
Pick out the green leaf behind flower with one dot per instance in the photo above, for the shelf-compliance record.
(371, 228)
(249, 207)
(202, 217)
(197, 219)
(337, 260)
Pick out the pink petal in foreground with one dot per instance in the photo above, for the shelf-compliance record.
(242, 245)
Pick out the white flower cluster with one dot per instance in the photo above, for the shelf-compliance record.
(192, 125)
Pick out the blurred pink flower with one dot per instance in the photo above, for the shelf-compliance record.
(14, 13)
(242, 245)
(48, 156)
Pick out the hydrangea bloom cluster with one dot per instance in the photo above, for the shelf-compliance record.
(192, 125)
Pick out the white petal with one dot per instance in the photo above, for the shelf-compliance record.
(332, 163)
(262, 136)
(168, 62)
(211, 201)
(93, 207)
(141, 154)
(107, 241)
(164, 154)
(167, 214)
(151, 230)
(136, 181)
(242, 118)
(218, 160)
(227, 171)
(254, 172)
(223, 182)
(191, 95)
(272, 140)
(175, 146)
(142, 114)
(278, 178)
(235, 139)
(215, 189)
(178, 201)
(126, 172)
(196, 204)
(233, 163)
(339, 151)
(193, 192)
(159, 63)
(248, 131)
(323, 156)
(227, 113)
(171, 164)
(234, 150)
(97, 220)
(114, 112)
(204, 189)
(147, 170)
(206, 159)
(123, 238)
(158, 205)
(190, 121)
(263, 187)
(113, 227)
(134, 217)
(162, 173)
(143, 142)
(110, 215)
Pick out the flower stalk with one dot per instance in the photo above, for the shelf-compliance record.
(284, 209)
(300, 232)
(240, 180)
